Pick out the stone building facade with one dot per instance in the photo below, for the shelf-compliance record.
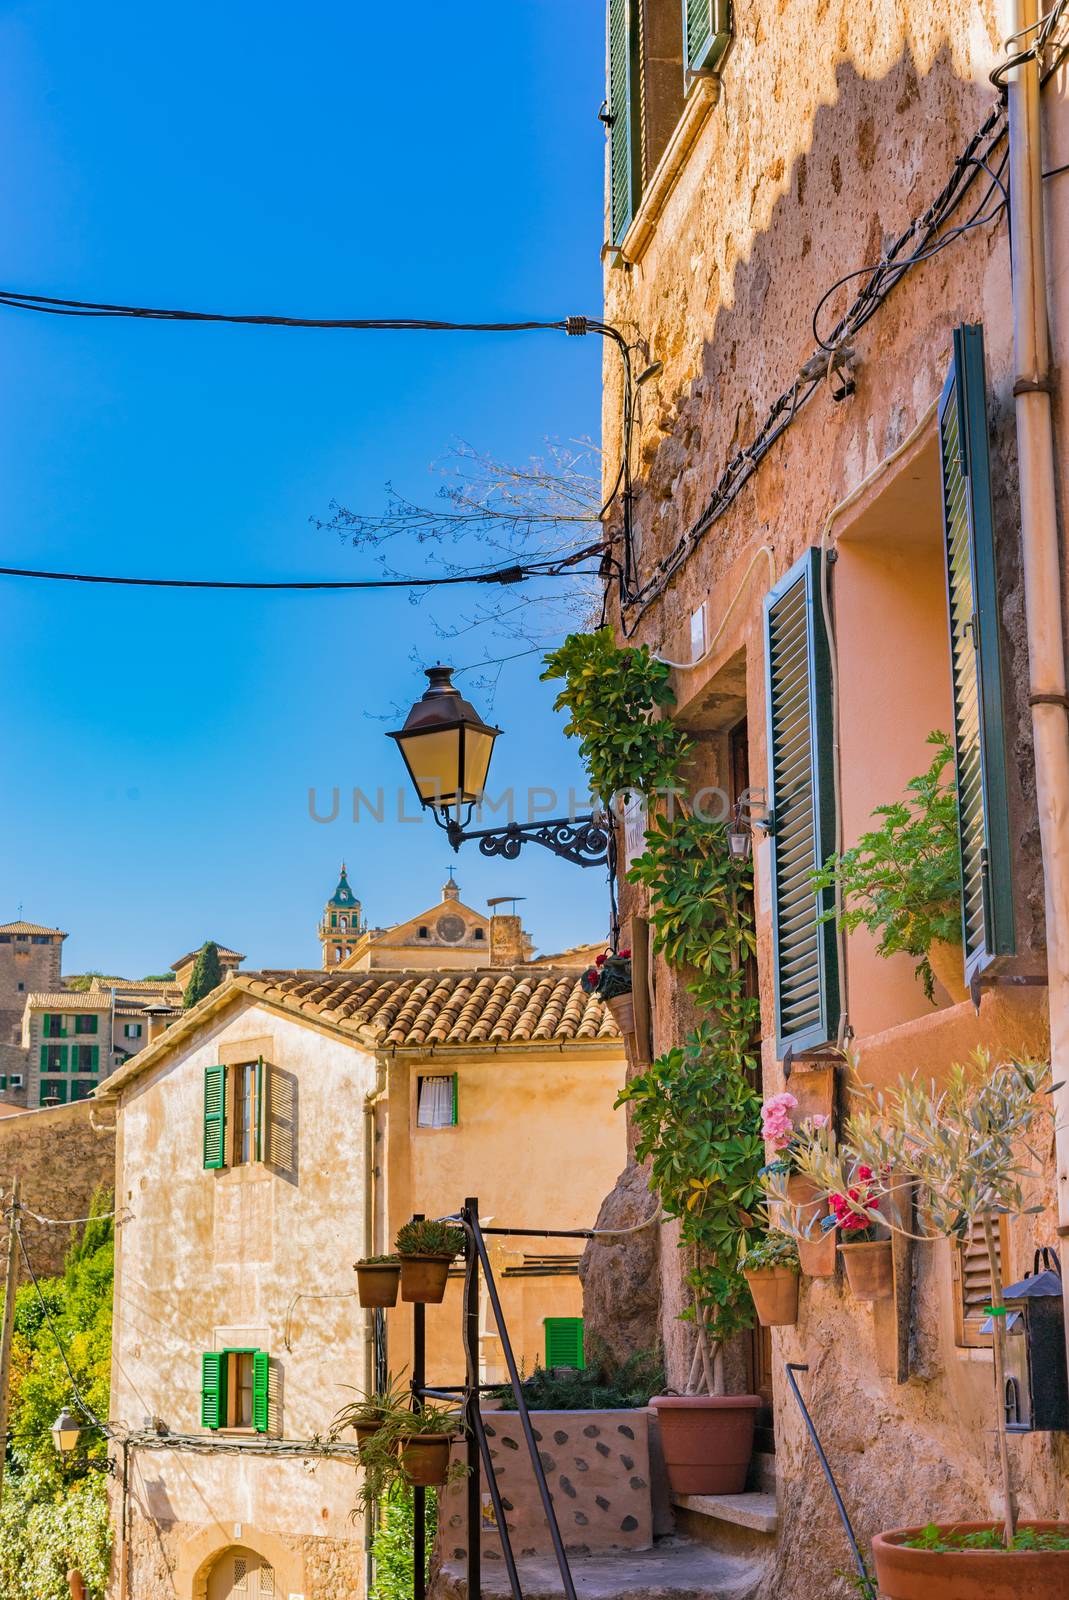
(755, 155)
(30, 960)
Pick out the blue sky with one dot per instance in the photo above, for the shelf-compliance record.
(331, 160)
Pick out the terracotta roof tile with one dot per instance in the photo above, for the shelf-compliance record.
(510, 1005)
(29, 927)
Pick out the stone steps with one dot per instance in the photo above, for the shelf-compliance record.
(674, 1569)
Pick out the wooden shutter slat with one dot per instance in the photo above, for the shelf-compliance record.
(623, 116)
(214, 1117)
(706, 33)
(213, 1389)
(261, 1382)
(976, 669)
(799, 737)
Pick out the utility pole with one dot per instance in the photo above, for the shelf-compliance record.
(10, 1283)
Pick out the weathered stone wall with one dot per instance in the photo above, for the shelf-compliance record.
(62, 1160)
(171, 1561)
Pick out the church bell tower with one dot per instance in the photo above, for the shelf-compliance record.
(342, 923)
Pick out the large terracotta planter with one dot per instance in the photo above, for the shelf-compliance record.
(423, 1278)
(947, 961)
(775, 1295)
(903, 1574)
(376, 1285)
(816, 1254)
(622, 1007)
(425, 1458)
(707, 1440)
(869, 1269)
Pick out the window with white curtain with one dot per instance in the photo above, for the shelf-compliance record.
(436, 1102)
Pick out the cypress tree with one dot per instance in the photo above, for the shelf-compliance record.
(207, 974)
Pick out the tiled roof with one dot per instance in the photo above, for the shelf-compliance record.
(409, 1010)
(191, 955)
(137, 985)
(29, 927)
(70, 1000)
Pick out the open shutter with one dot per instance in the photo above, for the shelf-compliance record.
(706, 33)
(802, 802)
(213, 1389)
(261, 1380)
(976, 666)
(623, 110)
(972, 1277)
(94, 1051)
(564, 1342)
(214, 1116)
(455, 1097)
(44, 1058)
(280, 1124)
(259, 1107)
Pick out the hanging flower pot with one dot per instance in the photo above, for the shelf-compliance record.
(377, 1281)
(423, 1279)
(947, 961)
(934, 1566)
(427, 1249)
(425, 1459)
(816, 1252)
(622, 1007)
(869, 1269)
(707, 1440)
(775, 1295)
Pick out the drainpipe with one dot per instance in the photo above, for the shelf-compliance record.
(371, 1197)
(1042, 568)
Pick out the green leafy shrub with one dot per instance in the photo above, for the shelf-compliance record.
(602, 1385)
(392, 1546)
(429, 1238)
(903, 879)
(945, 1540)
(43, 1534)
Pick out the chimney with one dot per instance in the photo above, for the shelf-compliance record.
(509, 944)
(159, 1017)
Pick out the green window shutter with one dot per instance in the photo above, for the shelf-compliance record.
(95, 1057)
(706, 33)
(564, 1342)
(259, 1107)
(623, 113)
(456, 1097)
(213, 1389)
(44, 1058)
(976, 666)
(261, 1378)
(63, 1056)
(802, 802)
(214, 1117)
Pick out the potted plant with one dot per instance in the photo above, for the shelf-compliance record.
(771, 1268)
(868, 1258)
(610, 980)
(371, 1413)
(814, 1238)
(707, 1440)
(963, 1147)
(427, 1250)
(424, 1438)
(902, 880)
(377, 1280)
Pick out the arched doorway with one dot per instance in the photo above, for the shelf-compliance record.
(241, 1574)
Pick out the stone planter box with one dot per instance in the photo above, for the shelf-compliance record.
(597, 1464)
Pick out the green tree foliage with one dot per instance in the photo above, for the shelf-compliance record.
(54, 1514)
(207, 974)
(392, 1544)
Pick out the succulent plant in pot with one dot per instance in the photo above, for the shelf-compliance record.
(377, 1280)
(427, 1249)
(771, 1269)
(968, 1148)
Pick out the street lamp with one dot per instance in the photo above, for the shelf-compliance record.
(66, 1431)
(446, 747)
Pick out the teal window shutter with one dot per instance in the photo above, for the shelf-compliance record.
(214, 1117)
(623, 116)
(564, 1342)
(213, 1389)
(95, 1061)
(261, 1380)
(976, 665)
(259, 1139)
(44, 1058)
(706, 33)
(802, 804)
(456, 1097)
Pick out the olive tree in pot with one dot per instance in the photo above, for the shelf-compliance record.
(969, 1149)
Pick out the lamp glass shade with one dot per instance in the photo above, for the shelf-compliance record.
(739, 843)
(445, 744)
(66, 1431)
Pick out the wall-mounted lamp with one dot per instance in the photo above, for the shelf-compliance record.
(744, 820)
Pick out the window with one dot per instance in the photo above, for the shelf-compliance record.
(564, 1342)
(53, 1058)
(424, 933)
(54, 1026)
(85, 1058)
(235, 1389)
(233, 1114)
(131, 1030)
(16, 1080)
(86, 1023)
(478, 934)
(334, 919)
(436, 1102)
(40, 938)
(82, 1088)
(20, 987)
(802, 804)
(55, 1090)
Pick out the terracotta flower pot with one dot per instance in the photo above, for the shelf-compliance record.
(707, 1441)
(376, 1285)
(365, 1431)
(775, 1294)
(423, 1278)
(869, 1269)
(947, 961)
(622, 1007)
(425, 1458)
(903, 1574)
(817, 1253)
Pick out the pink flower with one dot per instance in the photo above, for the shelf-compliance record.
(820, 1120)
(776, 1126)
